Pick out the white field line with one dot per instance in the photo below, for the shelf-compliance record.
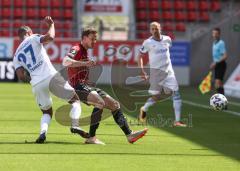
(208, 107)
(234, 103)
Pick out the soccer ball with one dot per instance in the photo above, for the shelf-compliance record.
(218, 102)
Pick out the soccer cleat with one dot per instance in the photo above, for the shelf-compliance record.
(179, 124)
(79, 131)
(134, 136)
(41, 139)
(142, 116)
(94, 140)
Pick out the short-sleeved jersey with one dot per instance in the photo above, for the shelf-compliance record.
(32, 56)
(218, 49)
(158, 52)
(78, 74)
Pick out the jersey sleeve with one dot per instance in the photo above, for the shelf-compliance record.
(37, 37)
(16, 63)
(222, 48)
(144, 48)
(72, 52)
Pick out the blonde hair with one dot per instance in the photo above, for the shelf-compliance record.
(155, 24)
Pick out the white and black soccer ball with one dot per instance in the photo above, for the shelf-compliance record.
(218, 102)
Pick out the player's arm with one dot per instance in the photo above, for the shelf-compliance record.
(50, 35)
(140, 57)
(69, 62)
(22, 74)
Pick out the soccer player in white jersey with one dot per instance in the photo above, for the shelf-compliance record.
(32, 56)
(162, 78)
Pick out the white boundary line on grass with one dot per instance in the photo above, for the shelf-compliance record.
(207, 107)
(234, 103)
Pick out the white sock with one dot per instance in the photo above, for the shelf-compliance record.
(149, 102)
(45, 121)
(177, 105)
(75, 113)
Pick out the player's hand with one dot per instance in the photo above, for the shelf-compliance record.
(213, 65)
(144, 75)
(48, 20)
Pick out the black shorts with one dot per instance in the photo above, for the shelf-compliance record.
(220, 70)
(83, 91)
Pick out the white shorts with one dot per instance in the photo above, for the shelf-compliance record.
(56, 85)
(162, 81)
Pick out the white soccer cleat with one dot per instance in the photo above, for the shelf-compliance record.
(94, 140)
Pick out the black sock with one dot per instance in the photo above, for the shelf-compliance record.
(95, 119)
(220, 90)
(121, 121)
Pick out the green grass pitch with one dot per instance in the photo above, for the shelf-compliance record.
(212, 142)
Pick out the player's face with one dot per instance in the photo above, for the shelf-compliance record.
(155, 30)
(215, 34)
(91, 40)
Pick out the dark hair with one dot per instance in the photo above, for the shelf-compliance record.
(87, 31)
(217, 29)
(23, 30)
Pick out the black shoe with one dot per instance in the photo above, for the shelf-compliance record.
(41, 139)
(79, 131)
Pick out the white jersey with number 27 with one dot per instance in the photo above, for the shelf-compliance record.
(32, 56)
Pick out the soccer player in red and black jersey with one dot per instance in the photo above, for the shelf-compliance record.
(78, 64)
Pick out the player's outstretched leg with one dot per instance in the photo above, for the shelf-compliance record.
(75, 115)
(177, 105)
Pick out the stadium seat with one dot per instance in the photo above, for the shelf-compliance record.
(5, 24)
(43, 12)
(58, 34)
(68, 24)
(215, 6)
(5, 33)
(192, 16)
(68, 13)
(18, 13)
(180, 16)
(18, 23)
(203, 5)
(141, 4)
(32, 13)
(204, 16)
(191, 5)
(58, 24)
(15, 32)
(6, 13)
(153, 4)
(56, 3)
(142, 15)
(166, 5)
(5, 3)
(43, 3)
(167, 15)
(18, 3)
(179, 5)
(143, 35)
(31, 3)
(181, 27)
(167, 26)
(142, 26)
(68, 33)
(68, 3)
(171, 35)
(33, 24)
(56, 13)
(154, 15)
